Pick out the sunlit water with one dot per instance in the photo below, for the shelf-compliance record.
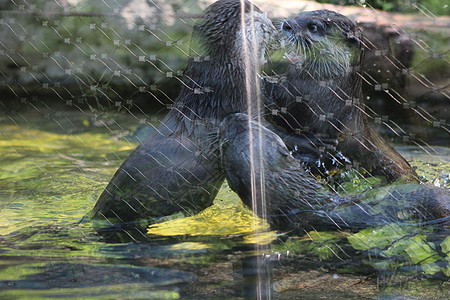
(53, 169)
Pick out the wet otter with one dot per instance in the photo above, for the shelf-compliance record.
(321, 93)
(274, 184)
(175, 170)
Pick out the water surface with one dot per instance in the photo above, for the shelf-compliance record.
(53, 167)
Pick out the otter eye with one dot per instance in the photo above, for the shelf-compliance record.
(286, 27)
(312, 27)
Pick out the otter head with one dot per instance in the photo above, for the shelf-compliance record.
(232, 126)
(235, 29)
(323, 43)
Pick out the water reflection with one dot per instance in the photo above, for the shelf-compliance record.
(45, 253)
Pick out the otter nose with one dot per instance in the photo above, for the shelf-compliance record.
(287, 28)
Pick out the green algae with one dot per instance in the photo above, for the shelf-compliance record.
(227, 217)
(50, 179)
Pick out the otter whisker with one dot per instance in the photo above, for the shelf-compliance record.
(304, 48)
(307, 45)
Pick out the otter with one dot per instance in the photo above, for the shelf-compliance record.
(275, 186)
(321, 94)
(175, 171)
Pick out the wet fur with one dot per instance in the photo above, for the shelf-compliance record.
(175, 170)
(322, 95)
(290, 198)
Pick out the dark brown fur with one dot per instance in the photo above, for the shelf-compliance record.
(276, 187)
(175, 170)
(325, 98)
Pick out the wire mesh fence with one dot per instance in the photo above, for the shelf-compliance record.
(131, 54)
(84, 82)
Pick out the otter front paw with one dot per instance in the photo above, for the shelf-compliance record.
(310, 145)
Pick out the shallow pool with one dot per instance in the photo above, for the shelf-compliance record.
(53, 166)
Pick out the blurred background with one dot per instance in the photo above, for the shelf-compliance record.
(83, 81)
(98, 56)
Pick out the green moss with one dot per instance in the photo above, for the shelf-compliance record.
(353, 181)
(378, 237)
(50, 179)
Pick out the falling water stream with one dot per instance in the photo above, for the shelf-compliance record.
(254, 108)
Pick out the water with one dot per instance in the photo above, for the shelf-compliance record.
(53, 166)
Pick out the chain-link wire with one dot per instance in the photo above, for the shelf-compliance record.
(115, 55)
(74, 67)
